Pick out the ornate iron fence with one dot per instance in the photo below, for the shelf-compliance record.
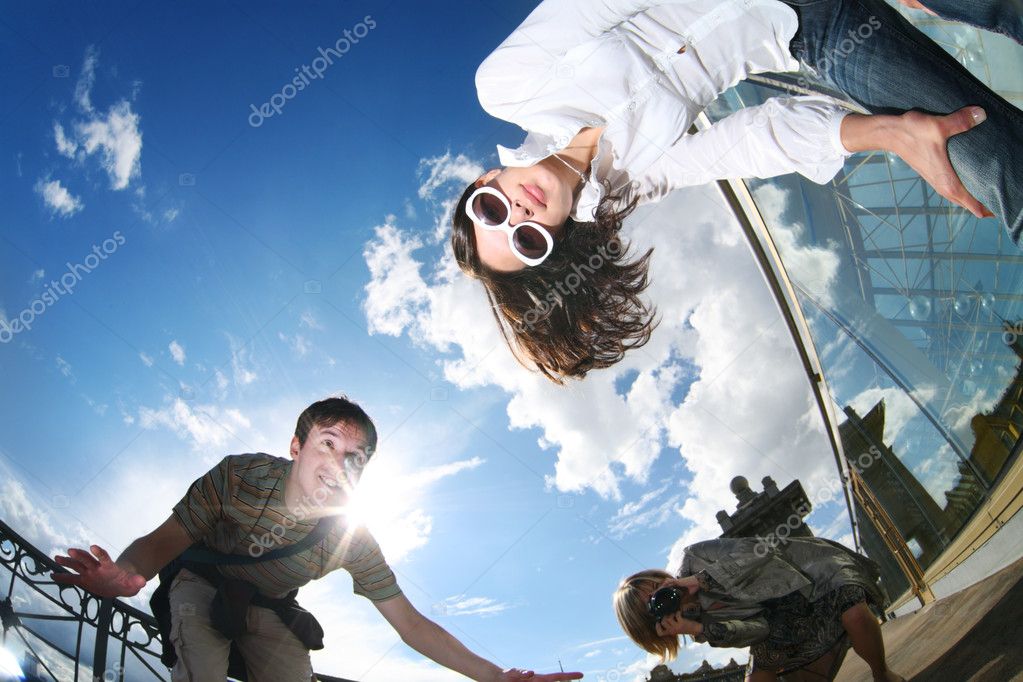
(125, 642)
(119, 632)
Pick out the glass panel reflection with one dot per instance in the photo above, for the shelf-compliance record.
(916, 311)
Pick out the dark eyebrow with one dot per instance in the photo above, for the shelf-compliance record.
(334, 432)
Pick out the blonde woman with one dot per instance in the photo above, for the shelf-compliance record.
(790, 605)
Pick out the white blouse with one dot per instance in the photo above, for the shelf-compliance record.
(616, 63)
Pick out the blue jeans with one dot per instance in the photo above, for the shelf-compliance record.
(867, 50)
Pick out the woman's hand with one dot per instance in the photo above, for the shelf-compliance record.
(921, 140)
(914, 4)
(675, 624)
(517, 675)
(688, 583)
(98, 575)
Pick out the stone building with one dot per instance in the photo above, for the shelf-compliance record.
(731, 672)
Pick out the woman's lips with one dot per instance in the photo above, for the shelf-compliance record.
(536, 194)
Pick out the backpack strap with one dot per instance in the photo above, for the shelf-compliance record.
(202, 554)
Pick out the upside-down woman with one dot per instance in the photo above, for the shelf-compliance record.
(607, 89)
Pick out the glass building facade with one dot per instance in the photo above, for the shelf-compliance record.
(910, 314)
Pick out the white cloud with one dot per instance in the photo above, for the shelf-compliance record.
(442, 180)
(462, 605)
(309, 320)
(899, 409)
(114, 136)
(437, 171)
(65, 146)
(813, 267)
(298, 343)
(241, 365)
(20, 509)
(146, 360)
(601, 642)
(83, 88)
(65, 368)
(651, 510)
(410, 210)
(97, 407)
(57, 198)
(118, 140)
(204, 427)
(177, 352)
(37, 275)
(396, 292)
(170, 215)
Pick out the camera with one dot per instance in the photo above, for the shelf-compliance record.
(665, 602)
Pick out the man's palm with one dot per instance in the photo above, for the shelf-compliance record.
(97, 573)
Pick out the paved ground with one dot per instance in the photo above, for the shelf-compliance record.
(975, 635)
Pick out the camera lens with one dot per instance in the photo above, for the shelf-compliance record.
(664, 602)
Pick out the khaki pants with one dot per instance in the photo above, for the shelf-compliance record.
(272, 652)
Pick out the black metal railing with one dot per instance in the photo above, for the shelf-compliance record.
(125, 642)
(120, 634)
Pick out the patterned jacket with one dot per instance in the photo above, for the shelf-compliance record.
(740, 574)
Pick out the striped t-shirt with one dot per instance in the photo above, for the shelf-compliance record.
(238, 507)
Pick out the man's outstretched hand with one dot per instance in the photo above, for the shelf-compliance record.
(98, 575)
(517, 675)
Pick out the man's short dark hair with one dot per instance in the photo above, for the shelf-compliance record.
(334, 410)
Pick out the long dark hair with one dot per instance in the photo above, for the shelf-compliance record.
(578, 310)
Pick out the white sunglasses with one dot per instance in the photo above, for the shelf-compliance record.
(530, 242)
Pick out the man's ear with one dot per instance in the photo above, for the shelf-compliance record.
(487, 177)
(295, 445)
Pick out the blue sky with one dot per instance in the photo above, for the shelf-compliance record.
(242, 272)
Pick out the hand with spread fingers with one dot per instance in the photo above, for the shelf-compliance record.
(97, 573)
(519, 675)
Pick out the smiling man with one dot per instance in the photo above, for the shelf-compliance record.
(245, 537)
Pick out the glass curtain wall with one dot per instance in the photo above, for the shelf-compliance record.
(915, 308)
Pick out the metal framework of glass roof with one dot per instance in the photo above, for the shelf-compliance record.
(913, 339)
